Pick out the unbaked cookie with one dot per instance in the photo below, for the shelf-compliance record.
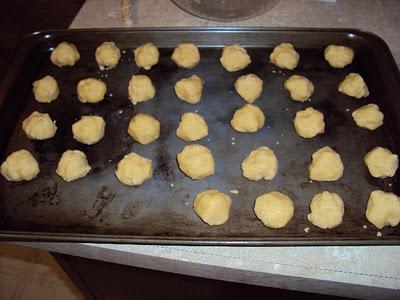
(73, 165)
(326, 165)
(65, 54)
(212, 207)
(134, 169)
(261, 163)
(249, 87)
(381, 162)
(196, 161)
(45, 89)
(285, 56)
(146, 56)
(299, 87)
(20, 165)
(91, 90)
(368, 116)
(354, 85)
(338, 56)
(39, 126)
(189, 89)
(144, 128)
(309, 123)
(89, 129)
(383, 209)
(186, 55)
(327, 210)
(107, 55)
(234, 58)
(248, 118)
(192, 127)
(141, 89)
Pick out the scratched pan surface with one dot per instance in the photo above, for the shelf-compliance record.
(99, 208)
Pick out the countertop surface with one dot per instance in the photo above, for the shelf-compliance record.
(347, 271)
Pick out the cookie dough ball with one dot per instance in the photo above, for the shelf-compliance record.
(381, 163)
(285, 56)
(234, 58)
(89, 129)
(299, 87)
(73, 165)
(189, 89)
(327, 210)
(192, 127)
(354, 85)
(261, 163)
(186, 56)
(107, 55)
(134, 169)
(383, 209)
(196, 161)
(141, 89)
(309, 122)
(368, 116)
(338, 56)
(65, 54)
(144, 128)
(212, 207)
(249, 87)
(248, 118)
(326, 165)
(39, 126)
(20, 165)
(274, 209)
(91, 90)
(45, 89)
(146, 56)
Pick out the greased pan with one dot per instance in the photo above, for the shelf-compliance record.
(98, 208)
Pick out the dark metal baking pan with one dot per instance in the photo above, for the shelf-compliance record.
(98, 208)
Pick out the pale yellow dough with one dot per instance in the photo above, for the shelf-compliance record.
(285, 56)
(381, 163)
(45, 89)
(89, 129)
(91, 90)
(327, 210)
(212, 207)
(274, 209)
(338, 56)
(299, 87)
(234, 58)
(189, 89)
(186, 55)
(192, 127)
(107, 55)
(309, 123)
(65, 54)
(146, 56)
(383, 209)
(354, 85)
(39, 126)
(141, 89)
(196, 161)
(20, 165)
(326, 165)
(261, 163)
(248, 118)
(134, 169)
(368, 116)
(249, 87)
(144, 128)
(73, 165)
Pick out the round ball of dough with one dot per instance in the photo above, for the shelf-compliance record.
(212, 207)
(368, 116)
(91, 90)
(234, 58)
(107, 55)
(89, 129)
(274, 209)
(146, 56)
(20, 165)
(186, 55)
(249, 87)
(141, 89)
(65, 54)
(134, 169)
(39, 126)
(248, 118)
(299, 87)
(144, 128)
(192, 127)
(381, 163)
(261, 163)
(326, 165)
(196, 161)
(45, 89)
(73, 165)
(354, 85)
(189, 89)
(383, 209)
(338, 56)
(309, 122)
(327, 210)
(285, 56)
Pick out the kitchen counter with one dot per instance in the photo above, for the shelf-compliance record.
(365, 272)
